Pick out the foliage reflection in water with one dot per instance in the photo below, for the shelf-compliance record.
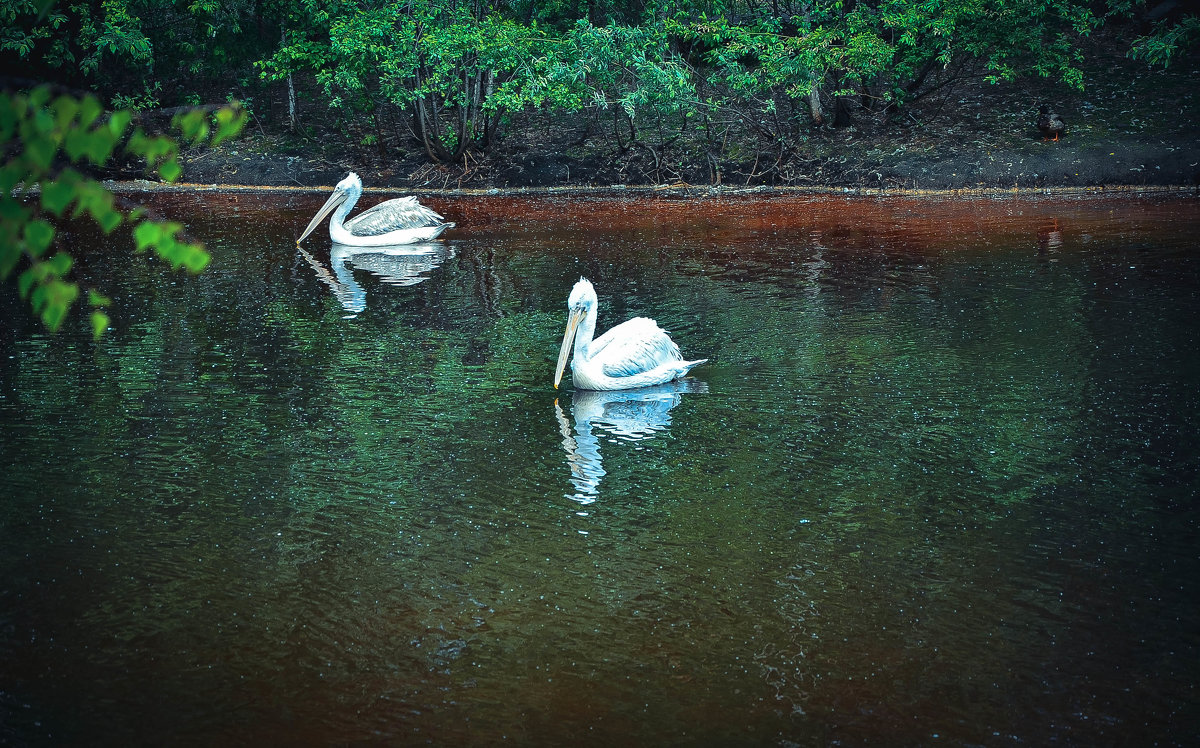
(937, 482)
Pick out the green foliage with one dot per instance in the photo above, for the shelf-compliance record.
(47, 139)
(459, 72)
(1167, 41)
(883, 49)
(117, 31)
(139, 52)
(631, 68)
(441, 62)
(76, 36)
(148, 99)
(32, 30)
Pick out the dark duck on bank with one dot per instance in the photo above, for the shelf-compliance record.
(1050, 124)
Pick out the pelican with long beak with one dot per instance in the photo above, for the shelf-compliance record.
(635, 353)
(402, 220)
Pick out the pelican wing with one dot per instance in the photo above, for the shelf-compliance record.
(390, 215)
(633, 347)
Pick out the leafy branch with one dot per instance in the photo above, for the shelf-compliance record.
(43, 140)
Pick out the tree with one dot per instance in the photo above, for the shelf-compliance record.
(454, 68)
(881, 52)
(45, 142)
(138, 52)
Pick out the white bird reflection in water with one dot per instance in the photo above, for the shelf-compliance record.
(399, 265)
(623, 416)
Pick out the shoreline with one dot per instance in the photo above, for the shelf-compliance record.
(671, 190)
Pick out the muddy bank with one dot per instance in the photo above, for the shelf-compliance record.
(1121, 162)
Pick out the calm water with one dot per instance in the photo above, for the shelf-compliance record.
(937, 485)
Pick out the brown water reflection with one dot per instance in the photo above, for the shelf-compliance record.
(912, 223)
(906, 223)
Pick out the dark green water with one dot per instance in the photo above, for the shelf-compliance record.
(937, 485)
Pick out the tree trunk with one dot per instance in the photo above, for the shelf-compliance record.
(814, 104)
(291, 87)
(490, 123)
(426, 120)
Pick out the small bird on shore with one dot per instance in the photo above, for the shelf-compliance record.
(1050, 124)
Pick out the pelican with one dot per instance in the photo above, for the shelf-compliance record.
(399, 221)
(635, 353)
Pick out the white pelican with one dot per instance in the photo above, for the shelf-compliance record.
(635, 353)
(399, 221)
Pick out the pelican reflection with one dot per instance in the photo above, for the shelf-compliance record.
(398, 265)
(618, 416)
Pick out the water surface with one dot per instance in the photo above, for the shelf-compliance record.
(936, 485)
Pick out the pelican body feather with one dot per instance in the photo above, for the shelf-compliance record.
(402, 220)
(635, 353)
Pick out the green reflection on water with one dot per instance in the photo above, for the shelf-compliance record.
(922, 491)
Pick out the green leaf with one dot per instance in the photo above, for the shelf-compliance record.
(37, 299)
(65, 108)
(195, 258)
(57, 195)
(100, 323)
(38, 235)
(230, 121)
(151, 148)
(118, 122)
(25, 282)
(100, 145)
(146, 234)
(89, 110)
(12, 215)
(11, 174)
(170, 169)
(10, 255)
(60, 263)
(39, 150)
(192, 124)
(108, 219)
(76, 143)
(39, 97)
(58, 299)
(54, 314)
(97, 299)
(97, 201)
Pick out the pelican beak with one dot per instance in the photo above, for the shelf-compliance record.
(568, 340)
(336, 199)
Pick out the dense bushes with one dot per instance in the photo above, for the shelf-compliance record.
(458, 71)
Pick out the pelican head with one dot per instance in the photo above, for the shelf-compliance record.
(580, 304)
(345, 193)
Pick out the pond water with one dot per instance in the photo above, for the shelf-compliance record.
(936, 485)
